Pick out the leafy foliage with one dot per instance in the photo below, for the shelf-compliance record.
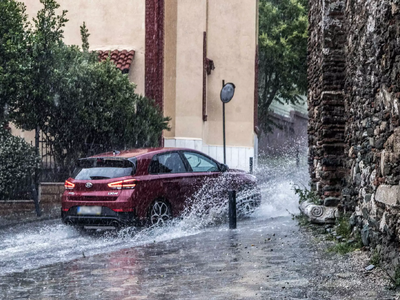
(344, 230)
(375, 258)
(14, 40)
(33, 109)
(85, 37)
(396, 277)
(306, 195)
(343, 248)
(96, 108)
(343, 227)
(18, 161)
(282, 54)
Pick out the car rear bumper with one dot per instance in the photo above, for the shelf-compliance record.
(108, 217)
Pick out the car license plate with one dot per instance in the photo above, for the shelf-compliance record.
(89, 210)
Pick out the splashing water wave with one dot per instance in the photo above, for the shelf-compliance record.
(31, 246)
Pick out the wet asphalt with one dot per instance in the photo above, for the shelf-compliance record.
(265, 258)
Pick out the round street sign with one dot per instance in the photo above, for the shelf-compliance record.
(227, 92)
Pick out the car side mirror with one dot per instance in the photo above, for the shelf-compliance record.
(224, 167)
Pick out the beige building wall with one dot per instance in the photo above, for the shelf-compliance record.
(231, 28)
(170, 48)
(113, 25)
(189, 65)
(232, 46)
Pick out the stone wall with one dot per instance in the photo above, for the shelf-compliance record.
(326, 98)
(362, 42)
(373, 131)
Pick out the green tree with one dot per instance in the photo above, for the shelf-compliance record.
(33, 109)
(282, 54)
(14, 60)
(96, 108)
(147, 123)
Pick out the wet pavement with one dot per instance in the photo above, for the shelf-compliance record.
(268, 257)
(265, 258)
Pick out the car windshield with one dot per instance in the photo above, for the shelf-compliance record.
(103, 168)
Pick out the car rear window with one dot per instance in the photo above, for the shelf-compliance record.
(103, 168)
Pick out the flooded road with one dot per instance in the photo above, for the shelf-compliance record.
(267, 257)
(217, 262)
(42, 243)
(263, 259)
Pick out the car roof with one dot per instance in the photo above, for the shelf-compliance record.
(138, 152)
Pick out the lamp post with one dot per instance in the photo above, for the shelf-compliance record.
(227, 92)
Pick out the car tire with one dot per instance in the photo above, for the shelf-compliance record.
(160, 213)
(246, 207)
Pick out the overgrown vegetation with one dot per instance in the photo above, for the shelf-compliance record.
(375, 259)
(306, 194)
(343, 227)
(341, 233)
(349, 240)
(18, 161)
(396, 278)
(302, 219)
(346, 247)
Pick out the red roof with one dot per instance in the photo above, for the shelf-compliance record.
(122, 58)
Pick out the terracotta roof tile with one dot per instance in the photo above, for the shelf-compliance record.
(122, 58)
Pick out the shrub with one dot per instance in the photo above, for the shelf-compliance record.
(18, 161)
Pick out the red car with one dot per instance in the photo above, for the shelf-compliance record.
(149, 187)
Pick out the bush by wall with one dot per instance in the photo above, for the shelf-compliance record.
(18, 161)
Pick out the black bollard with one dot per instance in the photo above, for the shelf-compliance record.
(232, 209)
(251, 165)
(36, 200)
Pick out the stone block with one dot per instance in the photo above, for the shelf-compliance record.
(367, 198)
(331, 201)
(388, 194)
(396, 144)
(365, 235)
(319, 214)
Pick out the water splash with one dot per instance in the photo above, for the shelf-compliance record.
(30, 246)
(277, 177)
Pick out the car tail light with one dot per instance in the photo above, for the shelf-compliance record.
(69, 185)
(123, 184)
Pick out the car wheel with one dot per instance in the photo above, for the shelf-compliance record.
(248, 208)
(160, 213)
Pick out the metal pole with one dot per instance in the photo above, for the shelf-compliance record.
(223, 129)
(232, 209)
(223, 123)
(35, 185)
(36, 200)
